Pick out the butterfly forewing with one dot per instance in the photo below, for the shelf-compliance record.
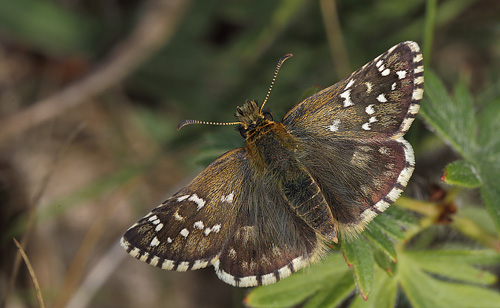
(189, 229)
(380, 100)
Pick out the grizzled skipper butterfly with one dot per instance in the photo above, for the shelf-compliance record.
(260, 213)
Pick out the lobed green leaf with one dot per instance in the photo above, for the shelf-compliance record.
(461, 173)
(359, 256)
(300, 286)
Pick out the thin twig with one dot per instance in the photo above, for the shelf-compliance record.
(97, 276)
(32, 274)
(34, 204)
(99, 226)
(155, 27)
(334, 37)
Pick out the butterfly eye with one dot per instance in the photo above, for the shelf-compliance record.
(242, 131)
(268, 115)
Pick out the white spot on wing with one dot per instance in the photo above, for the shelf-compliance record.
(381, 98)
(347, 98)
(184, 232)
(368, 215)
(381, 205)
(351, 82)
(199, 264)
(154, 217)
(401, 74)
(369, 109)
(417, 94)
(167, 264)
(155, 242)
(384, 150)
(335, 126)
(199, 201)
(159, 227)
(268, 279)
(366, 126)
(177, 216)
(144, 257)
(369, 87)
(182, 198)
(385, 72)
(227, 278)
(183, 266)
(199, 225)
(169, 240)
(228, 198)
(216, 228)
(154, 261)
(414, 108)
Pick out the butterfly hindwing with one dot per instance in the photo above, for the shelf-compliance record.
(270, 242)
(358, 178)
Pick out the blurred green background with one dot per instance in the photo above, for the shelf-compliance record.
(78, 171)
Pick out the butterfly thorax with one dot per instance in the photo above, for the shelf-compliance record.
(271, 150)
(268, 144)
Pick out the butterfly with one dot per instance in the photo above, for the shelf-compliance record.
(335, 161)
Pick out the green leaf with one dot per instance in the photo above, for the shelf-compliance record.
(383, 294)
(300, 286)
(461, 173)
(479, 257)
(453, 120)
(335, 292)
(359, 256)
(399, 215)
(425, 291)
(490, 193)
(388, 226)
(452, 265)
(380, 240)
(477, 141)
(47, 26)
(384, 262)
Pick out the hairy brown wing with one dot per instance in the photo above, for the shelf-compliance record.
(229, 218)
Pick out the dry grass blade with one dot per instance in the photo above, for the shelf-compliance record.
(32, 274)
(334, 37)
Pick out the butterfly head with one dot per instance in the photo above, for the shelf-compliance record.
(251, 117)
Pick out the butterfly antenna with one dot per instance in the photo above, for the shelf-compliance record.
(188, 122)
(280, 63)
